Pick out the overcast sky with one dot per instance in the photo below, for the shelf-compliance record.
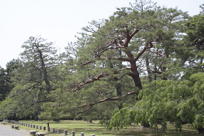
(59, 20)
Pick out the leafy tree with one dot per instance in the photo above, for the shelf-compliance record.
(4, 84)
(190, 47)
(178, 102)
(31, 79)
(110, 57)
(202, 8)
(39, 56)
(115, 51)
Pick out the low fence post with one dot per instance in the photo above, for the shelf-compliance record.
(48, 126)
(44, 128)
(65, 132)
(73, 133)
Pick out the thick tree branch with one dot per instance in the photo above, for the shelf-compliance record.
(134, 33)
(129, 37)
(90, 80)
(116, 98)
(119, 58)
(147, 46)
(88, 62)
(96, 78)
(93, 61)
(101, 50)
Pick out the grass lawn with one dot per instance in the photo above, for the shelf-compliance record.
(99, 130)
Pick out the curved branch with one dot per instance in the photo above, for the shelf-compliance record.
(116, 98)
(93, 79)
(147, 46)
(129, 37)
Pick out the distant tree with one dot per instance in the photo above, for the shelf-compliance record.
(31, 79)
(39, 56)
(5, 86)
(202, 8)
(191, 48)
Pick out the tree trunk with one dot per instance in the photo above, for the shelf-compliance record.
(135, 75)
(44, 71)
(134, 72)
(118, 87)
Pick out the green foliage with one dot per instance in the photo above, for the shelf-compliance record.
(179, 102)
(122, 118)
(5, 85)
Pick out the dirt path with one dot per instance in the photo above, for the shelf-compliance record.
(6, 130)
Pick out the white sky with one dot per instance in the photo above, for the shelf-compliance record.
(59, 20)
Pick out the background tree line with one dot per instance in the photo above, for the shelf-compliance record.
(142, 65)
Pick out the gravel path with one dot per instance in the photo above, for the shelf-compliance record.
(6, 130)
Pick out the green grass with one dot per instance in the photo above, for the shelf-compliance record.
(99, 130)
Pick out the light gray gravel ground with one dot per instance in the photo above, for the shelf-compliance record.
(6, 130)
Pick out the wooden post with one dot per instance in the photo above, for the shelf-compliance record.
(82, 134)
(58, 131)
(48, 126)
(73, 133)
(44, 128)
(65, 132)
